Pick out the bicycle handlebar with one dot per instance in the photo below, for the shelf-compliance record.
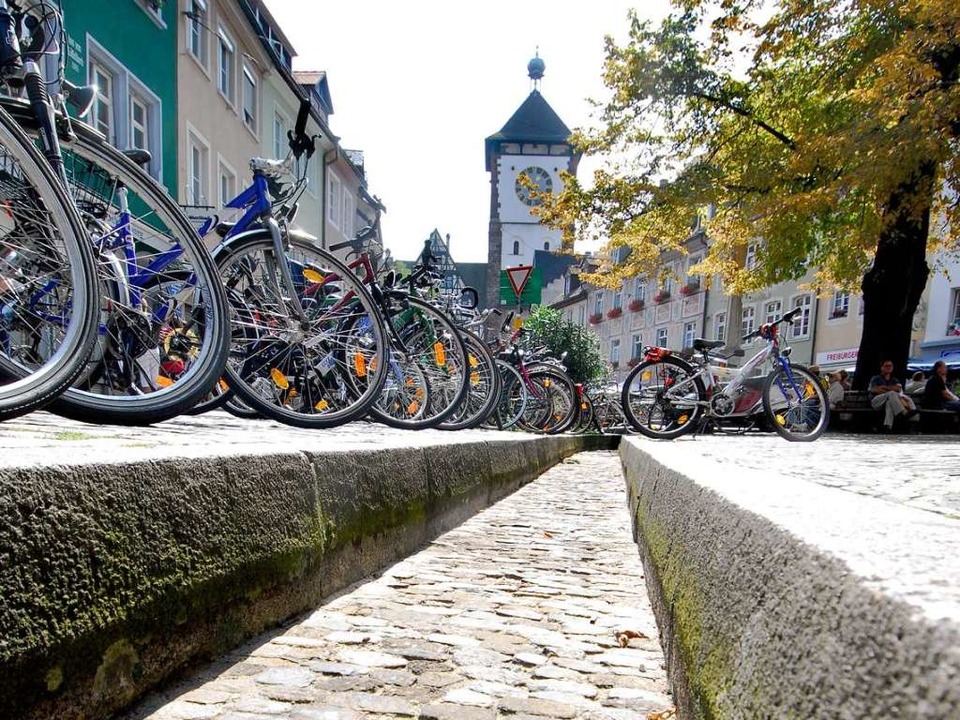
(784, 318)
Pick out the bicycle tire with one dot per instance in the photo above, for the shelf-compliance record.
(444, 367)
(554, 406)
(300, 376)
(798, 411)
(48, 299)
(665, 418)
(161, 355)
(483, 390)
(512, 401)
(585, 418)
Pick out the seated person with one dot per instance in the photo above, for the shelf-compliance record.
(936, 395)
(916, 384)
(886, 394)
(835, 390)
(845, 379)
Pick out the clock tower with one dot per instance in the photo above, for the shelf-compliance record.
(535, 143)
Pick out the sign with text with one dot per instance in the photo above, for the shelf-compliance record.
(838, 357)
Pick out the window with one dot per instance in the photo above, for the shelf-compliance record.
(691, 261)
(615, 351)
(720, 326)
(249, 99)
(689, 334)
(641, 291)
(228, 184)
(748, 321)
(840, 307)
(583, 314)
(772, 311)
(598, 303)
(953, 328)
(102, 111)
(546, 246)
(661, 337)
(333, 201)
(348, 213)
(801, 325)
(198, 154)
(226, 65)
(516, 247)
(636, 346)
(668, 282)
(280, 124)
(618, 298)
(750, 262)
(125, 110)
(196, 17)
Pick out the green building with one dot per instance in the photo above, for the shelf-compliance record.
(128, 48)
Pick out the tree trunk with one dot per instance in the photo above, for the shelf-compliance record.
(893, 285)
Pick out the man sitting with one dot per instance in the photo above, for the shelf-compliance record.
(886, 394)
(936, 396)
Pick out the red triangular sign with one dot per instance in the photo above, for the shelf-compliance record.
(518, 277)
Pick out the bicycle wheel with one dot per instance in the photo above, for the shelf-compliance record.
(512, 400)
(48, 284)
(163, 332)
(483, 390)
(552, 405)
(796, 403)
(662, 398)
(320, 373)
(425, 336)
(584, 419)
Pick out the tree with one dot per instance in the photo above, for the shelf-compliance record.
(584, 361)
(834, 141)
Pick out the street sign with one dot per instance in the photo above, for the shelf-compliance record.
(518, 277)
(530, 293)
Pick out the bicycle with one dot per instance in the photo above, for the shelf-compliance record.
(665, 396)
(48, 307)
(161, 337)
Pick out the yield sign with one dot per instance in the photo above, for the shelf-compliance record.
(518, 277)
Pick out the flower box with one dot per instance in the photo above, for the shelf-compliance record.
(953, 328)
(596, 318)
(614, 312)
(838, 314)
(661, 296)
(636, 305)
(690, 288)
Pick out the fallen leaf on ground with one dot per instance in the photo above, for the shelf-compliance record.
(670, 712)
(625, 636)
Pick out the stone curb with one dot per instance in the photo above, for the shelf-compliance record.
(114, 576)
(769, 606)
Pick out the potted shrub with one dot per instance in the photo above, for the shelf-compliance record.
(596, 318)
(614, 312)
(636, 305)
(661, 296)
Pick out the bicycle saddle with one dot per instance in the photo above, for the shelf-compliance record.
(702, 344)
(138, 155)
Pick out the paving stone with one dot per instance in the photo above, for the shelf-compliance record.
(260, 706)
(448, 711)
(401, 678)
(534, 706)
(465, 696)
(289, 676)
(382, 704)
(439, 680)
(563, 686)
(324, 713)
(365, 658)
(530, 659)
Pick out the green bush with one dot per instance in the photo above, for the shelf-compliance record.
(584, 361)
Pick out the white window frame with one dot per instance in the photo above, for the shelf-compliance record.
(720, 326)
(800, 328)
(334, 206)
(250, 115)
(598, 303)
(663, 337)
(125, 89)
(955, 320)
(226, 71)
(280, 124)
(748, 320)
(640, 292)
(198, 43)
(689, 333)
(105, 97)
(750, 259)
(617, 302)
(772, 309)
(198, 169)
(349, 211)
(840, 306)
(691, 261)
(225, 191)
(636, 346)
(615, 350)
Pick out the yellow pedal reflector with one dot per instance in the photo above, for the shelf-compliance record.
(419, 393)
(164, 381)
(372, 367)
(322, 405)
(474, 378)
(359, 364)
(439, 354)
(473, 361)
(517, 322)
(583, 406)
(808, 391)
(223, 385)
(547, 382)
(781, 420)
(647, 375)
(279, 379)
(413, 407)
(313, 276)
(683, 419)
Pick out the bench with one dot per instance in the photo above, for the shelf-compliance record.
(855, 414)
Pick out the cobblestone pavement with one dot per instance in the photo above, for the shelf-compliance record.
(921, 471)
(535, 607)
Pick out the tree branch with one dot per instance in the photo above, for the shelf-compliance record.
(785, 139)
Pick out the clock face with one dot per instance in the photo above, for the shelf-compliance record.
(540, 178)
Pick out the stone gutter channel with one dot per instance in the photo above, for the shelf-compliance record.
(126, 554)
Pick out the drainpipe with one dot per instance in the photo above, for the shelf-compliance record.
(814, 312)
(329, 158)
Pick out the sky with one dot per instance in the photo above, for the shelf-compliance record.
(419, 85)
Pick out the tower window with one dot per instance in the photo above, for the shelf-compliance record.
(546, 246)
(516, 247)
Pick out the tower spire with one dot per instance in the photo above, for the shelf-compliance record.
(535, 69)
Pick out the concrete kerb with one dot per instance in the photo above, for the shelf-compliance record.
(113, 576)
(764, 610)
